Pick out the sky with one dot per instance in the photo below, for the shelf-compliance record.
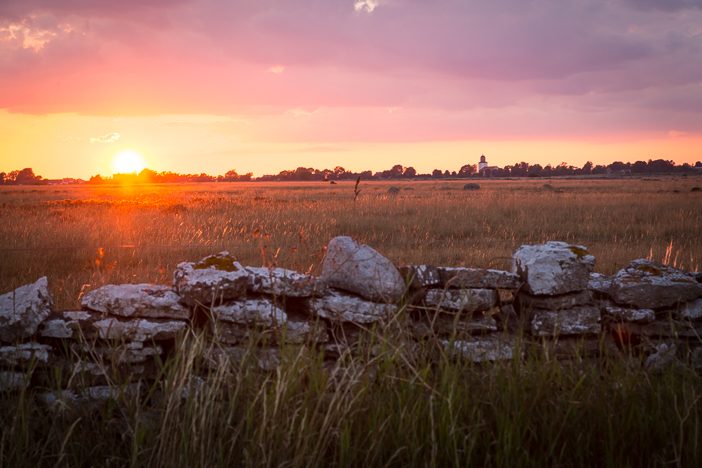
(265, 85)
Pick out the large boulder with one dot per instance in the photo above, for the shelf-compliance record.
(553, 268)
(647, 284)
(281, 282)
(210, 281)
(339, 307)
(22, 310)
(136, 300)
(359, 269)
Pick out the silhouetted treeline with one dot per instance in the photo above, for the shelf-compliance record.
(26, 176)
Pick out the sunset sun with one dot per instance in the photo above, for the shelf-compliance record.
(127, 162)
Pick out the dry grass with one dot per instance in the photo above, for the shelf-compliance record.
(82, 237)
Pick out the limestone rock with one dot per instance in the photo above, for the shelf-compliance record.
(630, 315)
(553, 268)
(266, 359)
(12, 381)
(136, 300)
(581, 320)
(478, 278)
(461, 300)
(67, 324)
(559, 302)
(340, 307)
(211, 281)
(133, 352)
(647, 284)
(138, 330)
(599, 283)
(24, 353)
(261, 312)
(22, 310)
(282, 282)
(691, 310)
(292, 332)
(87, 397)
(453, 325)
(481, 349)
(420, 276)
(359, 269)
(665, 329)
(664, 355)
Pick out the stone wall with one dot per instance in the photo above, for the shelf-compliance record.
(551, 302)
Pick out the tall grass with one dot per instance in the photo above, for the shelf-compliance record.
(83, 237)
(373, 409)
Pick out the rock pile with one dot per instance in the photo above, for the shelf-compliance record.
(253, 313)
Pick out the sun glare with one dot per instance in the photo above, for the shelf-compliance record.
(127, 162)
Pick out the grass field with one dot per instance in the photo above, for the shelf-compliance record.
(83, 236)
(382, 406)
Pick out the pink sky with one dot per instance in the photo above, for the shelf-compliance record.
(211, 85)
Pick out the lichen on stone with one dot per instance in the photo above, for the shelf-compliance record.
(217, 262)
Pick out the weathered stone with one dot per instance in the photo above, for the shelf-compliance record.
(453, 325)
(486, 349)
(136, 300)
(599, 283)
(461, 300)
(282, 282)
(664, 329)
(577, 347)
(553, 267)
(478, 278)
(420, 276)
(559, 302)
(24, 353)
(261, 312)
(266, 359)
(292, 332)
(87, 397)
(630, 315)
(211, 281)
(68, 324)
(647, 284)
(133, 352)
(663, 356)
(138, 330)
(579, 320)
(359, 269)
(691, 310)
(22, 310)
(340, 307)
(12, 381)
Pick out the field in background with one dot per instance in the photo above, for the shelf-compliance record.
(83, 237)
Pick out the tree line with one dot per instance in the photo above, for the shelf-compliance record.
(26, 176)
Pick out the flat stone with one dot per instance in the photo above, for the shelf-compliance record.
(650, 285)
(136, 300)
(691, 310)
(69, 324)
(261, 312)
(128, 353)
(553, 268)
(24, 353)
(65, 399)
(340, 307)
(13, 381)
(461, 300)
(665, 329)
(359, 269)
(624, 314)
(138, 329)
(266, 359)
(559, 302)
(292, 332)
(453, 325)
(22, 310)
(488, 349)
(420, 276)
(663, 356)
(577, 347)
(581, 320)
(210, 281)
(280, 282)
(478, 278)
(599, 283)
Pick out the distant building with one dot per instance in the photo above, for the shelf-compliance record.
(484, 169)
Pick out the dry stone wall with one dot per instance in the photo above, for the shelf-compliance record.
(552, 301)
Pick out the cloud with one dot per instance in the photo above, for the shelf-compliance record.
(106, 138)
(276, 69)
(365, 5)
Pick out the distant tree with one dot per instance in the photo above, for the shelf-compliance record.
(698, 164)
(467, 170)
(437, 174)
(2, 178)
(536, 170)
(587, 168)
(409, 172)
(96, 179)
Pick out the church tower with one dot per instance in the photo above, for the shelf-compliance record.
(483, 163)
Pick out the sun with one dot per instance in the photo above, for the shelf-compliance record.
(127, 162)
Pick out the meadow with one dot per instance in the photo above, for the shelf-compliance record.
(378, 408)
